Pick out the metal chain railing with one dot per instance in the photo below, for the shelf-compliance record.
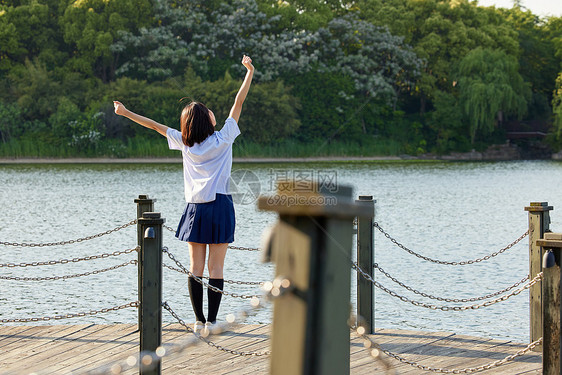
(374, 348)
(50, 278)
(461, 263)
(61, 243)
(72, 315)
(457, 300)
(467, 370)
(73, 260)
(169, 228)
(258, 283)
(209, 342)
(148, 360)
(535, 280)
(199, 280)
(244, 248)
(230, 247)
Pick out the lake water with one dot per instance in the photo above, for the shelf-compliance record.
(449, 211)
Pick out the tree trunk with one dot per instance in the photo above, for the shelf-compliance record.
(422, 105)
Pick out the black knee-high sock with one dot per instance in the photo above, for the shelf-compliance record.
(196, 297)
(214, 299)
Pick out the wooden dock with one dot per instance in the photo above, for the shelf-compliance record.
(62, 349)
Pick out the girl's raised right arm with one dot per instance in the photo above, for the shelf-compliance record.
(141, 120)
(241, 96)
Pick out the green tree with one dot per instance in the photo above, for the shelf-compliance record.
(91, 26)
(159, 101)
(380, 64)
(238, 28)
(537, 61)
(327, 105)
(269, 114)
(446, 123)
(10, 121)
(441, 33)
(557, 107)
(159, 51)
(27, 30)
(9, 43)
(490, 87)
(305, 14)
(554, 28)
(36, 90)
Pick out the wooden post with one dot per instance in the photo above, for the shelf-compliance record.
(539, 222)
(144, 204)
(151, 285)
(365, 260)
(311, 247)
(551, 316)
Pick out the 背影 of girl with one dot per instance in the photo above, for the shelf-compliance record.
(208, 220)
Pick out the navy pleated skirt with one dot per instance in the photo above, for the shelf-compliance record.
(209, 222)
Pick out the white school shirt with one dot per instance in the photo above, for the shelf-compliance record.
(206, 165)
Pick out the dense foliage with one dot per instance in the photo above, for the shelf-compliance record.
(335, 76)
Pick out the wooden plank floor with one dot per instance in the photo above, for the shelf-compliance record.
(63, 349)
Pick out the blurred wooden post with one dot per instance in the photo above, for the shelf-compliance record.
(151, 285)
(539, 222)
(311, 247)
(551, 316)
(365, 260)
(144, 204)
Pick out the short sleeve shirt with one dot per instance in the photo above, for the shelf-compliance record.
(206, 165)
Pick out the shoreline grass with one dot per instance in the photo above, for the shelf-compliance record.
(158, 148)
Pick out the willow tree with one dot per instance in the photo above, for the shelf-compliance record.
(490, 87)
(441, 33)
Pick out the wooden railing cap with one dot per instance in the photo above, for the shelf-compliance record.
(313, 199)
(538, 207)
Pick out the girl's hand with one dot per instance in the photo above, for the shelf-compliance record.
(119, 108)
(247, 62)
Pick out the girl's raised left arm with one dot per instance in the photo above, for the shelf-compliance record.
(243, 91)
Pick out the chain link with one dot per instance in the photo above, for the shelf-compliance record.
(462, 263)
(73, 260)
(230, 247)
(72, 315)
(209, 342)
(15, 278)
(535, 280)
(259, 283)
(61, 243)
(200, 281)
(462, 300)
(370, 343)
(466, 370)
(244, 248)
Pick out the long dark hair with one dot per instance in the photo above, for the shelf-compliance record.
(195, 123)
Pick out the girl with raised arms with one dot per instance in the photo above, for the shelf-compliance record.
(208, 218)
